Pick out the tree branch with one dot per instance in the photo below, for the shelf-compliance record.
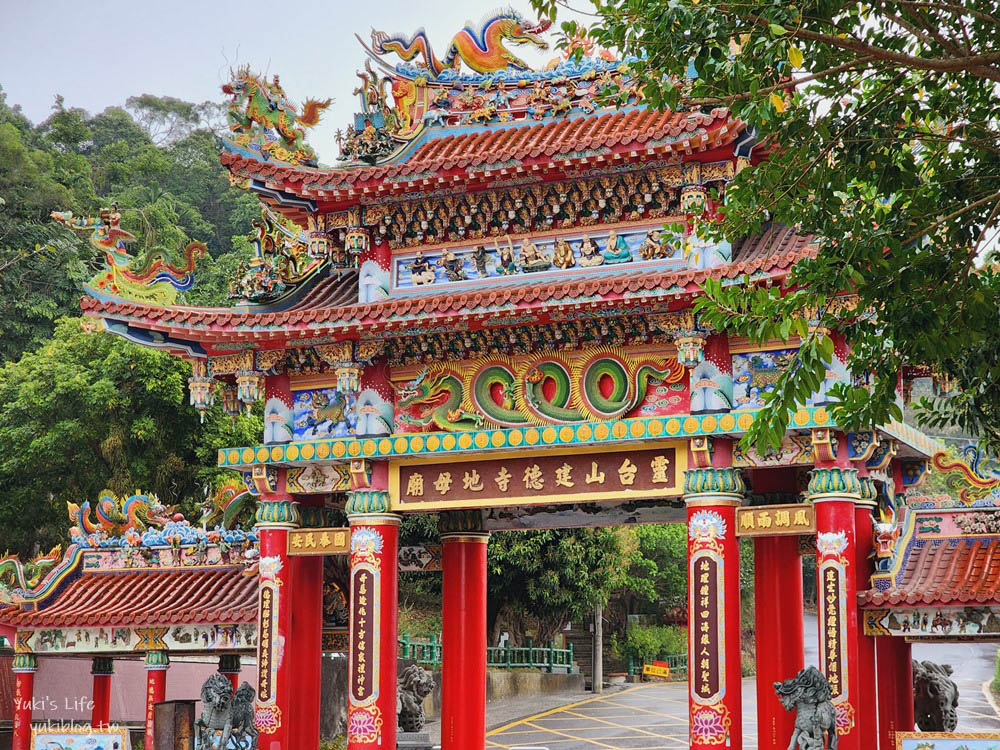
(941, 65)
(949, 217)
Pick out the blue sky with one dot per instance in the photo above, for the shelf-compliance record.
(98, 53)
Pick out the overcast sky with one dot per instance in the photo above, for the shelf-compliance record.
(99, 52)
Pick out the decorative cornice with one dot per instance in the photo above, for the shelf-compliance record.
(714, 482)
(834, 483)
(460, 522)
(103, 665)
(438, 444)
(157, 660)
(279, 514)
(25, 664)
(361, 502)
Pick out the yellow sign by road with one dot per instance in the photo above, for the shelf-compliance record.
(656, 670)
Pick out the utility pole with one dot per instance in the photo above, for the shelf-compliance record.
(598, 685)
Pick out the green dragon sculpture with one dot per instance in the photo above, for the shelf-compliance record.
(255, 102)
(438, 400)
(596, 384)
(17, 578)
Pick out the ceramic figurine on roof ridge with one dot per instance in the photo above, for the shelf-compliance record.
(480, 48)
(156, 281)
(261, 114)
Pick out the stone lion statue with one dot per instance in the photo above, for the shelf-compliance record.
(815, 717)
(226, 715)
(415, 684)
(935, 697)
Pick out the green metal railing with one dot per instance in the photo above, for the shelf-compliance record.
(548, 657)
(678, 665)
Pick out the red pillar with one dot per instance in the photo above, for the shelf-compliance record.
(156, 688)
(780, 644)
(714, 674)
(229, 667)
(25, 666)
(102, 669)
(306, 644)
(463, 642)
(277, 690)
(867, 714)
(895, 689)
(371, 698)
(834, 492)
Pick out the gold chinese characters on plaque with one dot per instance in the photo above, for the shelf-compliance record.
(775, 520)
(318, 541)
(597, 474)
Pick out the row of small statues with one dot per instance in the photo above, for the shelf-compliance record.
(935, 703)
(532, 259)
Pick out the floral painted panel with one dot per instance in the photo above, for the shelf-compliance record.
(324, 413)
(947, 741)
(756, 373)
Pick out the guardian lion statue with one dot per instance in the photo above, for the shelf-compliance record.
(815, 717)
(226, 715)
(935, 697)
(415, 684)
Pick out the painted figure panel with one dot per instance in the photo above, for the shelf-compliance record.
(756, 374)
(324, 412)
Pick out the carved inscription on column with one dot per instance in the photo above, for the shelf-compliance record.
(364, 614)
(708, 678)
(710, 719)
(833, 573)
(364, 718)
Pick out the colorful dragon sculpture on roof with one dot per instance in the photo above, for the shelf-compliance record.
(156, 281)
(115, 517)
(18, 577)
(480, 48)
(225, 504)
(257, 102)
(967, 475)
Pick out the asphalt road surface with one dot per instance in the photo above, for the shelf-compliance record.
(653, 716)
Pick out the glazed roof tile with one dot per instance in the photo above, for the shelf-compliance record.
(521, 141)
(945, 572)
(146, 598)
(773, 252)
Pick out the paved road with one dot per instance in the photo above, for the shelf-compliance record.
(654, 716)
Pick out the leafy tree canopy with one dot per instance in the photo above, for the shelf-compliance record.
(89, 411)
(168, 194)
(881, 124)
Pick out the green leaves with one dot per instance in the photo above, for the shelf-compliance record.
(892, 168)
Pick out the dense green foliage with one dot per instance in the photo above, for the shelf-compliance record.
(552, 577)
(644, 643)
(81, 412)
(881, 125)
(89, 411)
(169, 195)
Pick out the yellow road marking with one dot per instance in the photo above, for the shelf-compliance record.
(528, 720)
(573, 737)
(619, 726)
